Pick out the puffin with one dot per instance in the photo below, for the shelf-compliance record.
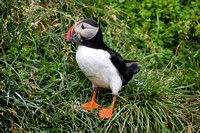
(103, 66)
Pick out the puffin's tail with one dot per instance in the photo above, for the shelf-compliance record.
(131, 70)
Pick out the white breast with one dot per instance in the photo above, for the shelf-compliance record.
(97, 66)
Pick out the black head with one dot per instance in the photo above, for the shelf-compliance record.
(87, 28)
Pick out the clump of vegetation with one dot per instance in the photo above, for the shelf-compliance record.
(42, 87)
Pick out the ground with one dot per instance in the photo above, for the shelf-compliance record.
(42, 88)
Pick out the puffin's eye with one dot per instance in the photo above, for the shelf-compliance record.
(82, 26)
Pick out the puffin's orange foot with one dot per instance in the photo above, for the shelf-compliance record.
(91, 105)
(105, 112)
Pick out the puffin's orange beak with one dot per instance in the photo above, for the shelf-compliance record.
(69, 33)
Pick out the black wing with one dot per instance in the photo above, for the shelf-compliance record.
(129, 61)
(117, 61)
(120, 64)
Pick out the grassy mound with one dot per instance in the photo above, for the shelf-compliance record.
(42, 88)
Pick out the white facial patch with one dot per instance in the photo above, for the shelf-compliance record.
(88, 32)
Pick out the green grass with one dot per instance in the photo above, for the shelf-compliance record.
(42, 88)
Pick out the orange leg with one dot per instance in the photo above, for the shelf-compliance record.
(107, 112)
(92, 103)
